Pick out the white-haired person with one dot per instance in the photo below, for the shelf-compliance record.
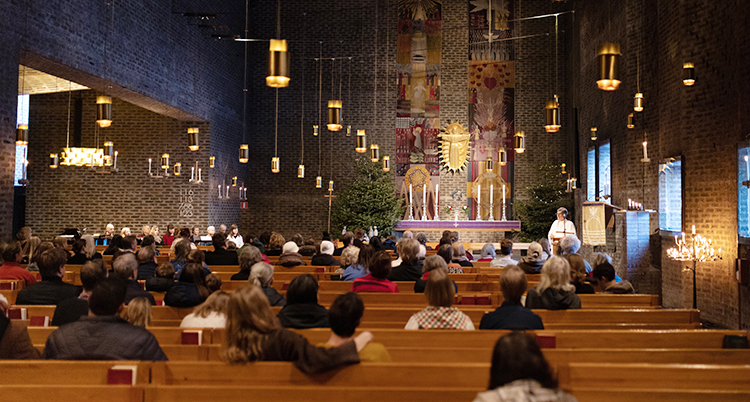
(109, 231)
(570, 245)
(534, 260)
(554, 291)
(261, 275)
(561, 227)
(324, 257)
(289, 255)
(488, 252)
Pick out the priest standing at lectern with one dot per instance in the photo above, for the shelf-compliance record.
(560, 228)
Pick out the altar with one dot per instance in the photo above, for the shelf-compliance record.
(469, 231)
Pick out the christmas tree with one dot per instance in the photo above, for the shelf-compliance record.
(545, 196)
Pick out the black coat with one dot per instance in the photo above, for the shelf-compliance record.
(406, 272)
(68, 311)
(154, 284)
(241, 276)
(146, 270)
(221, 257)
(552, 299)
(183, 294)
(325, 260)
(134, 291)
(78, 259)
(274, 298)
(511, 316)
(303, 315)
(102, 338)
(51, 290)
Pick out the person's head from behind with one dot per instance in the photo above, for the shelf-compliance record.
(348, 239)
(213, 283)
(380, 265)
(148, 241)
(439, 289)
(433, 262)
(409, 252)
(261, 274)
(125, 267)
(195, 274)
(408, 234)
(345, 314)
(219, 241)
(488, 251)
(459, 253)
(249, 256)
(365, 254)
(600, 258)
(129, 243)
(506, 247)
(604, 273)
(138, 312)
(165, 270)
(79, 246)
(216, 303)
(577, 268)
(196, 256)
(44, 246)
(326, 247)
(349, 255)
(181, 251)
(546, 247)
(90, 245)
(302, 290)
(298, 240)
(556, 275)
(146, 254)
(376, 243)
(513, 284)
(52, 263)
(249, 319)
(91, 273)
(534, 251)
(569, 244)
(107, 297)
(290, 247)
(60, 242)
(12, 252)
(517, 356)
(276, 242)
(184, 233)
(422, 252)
(359, 233)
(421, 238)
(446, 251)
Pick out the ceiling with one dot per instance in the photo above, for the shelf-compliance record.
(35, 82)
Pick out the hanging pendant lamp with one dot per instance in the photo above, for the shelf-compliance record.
(212, 162)
(104, 111)
(386, 164)
(318, 182)
(490, 164)
(22, 134)
(193, 138)
(631, 122)
(334, 115)
(315, 130)
(563, 169)
(301, 171)
(502, 156)
(165, 161)
(330, 185)
(638, 103)
(361, 142)
(593, 133)
(278, 64)
(53, 161)
(552, 109)
(108, 152)
(244, 153)
(609, 67)
(234, 181)
(177, 168)
(348, 131)
(374, 153)
(520, 142)
(688, 74)
(275, 164)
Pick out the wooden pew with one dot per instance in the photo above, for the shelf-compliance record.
(60, 372)
(79, 393)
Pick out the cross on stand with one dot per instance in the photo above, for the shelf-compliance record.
(330, 197)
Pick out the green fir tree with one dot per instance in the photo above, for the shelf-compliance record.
(545, 196)
(369, 199)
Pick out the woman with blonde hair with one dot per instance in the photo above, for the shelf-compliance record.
(28, 249)
(275, 245)
(91, 252)
(261, 275)
(459, 255)
(212, 313)
(138, 312)
(350, 259)
(440, 313)
(254, 334)
(157, 235)
(554, 291)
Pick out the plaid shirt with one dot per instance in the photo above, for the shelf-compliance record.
(440, 318)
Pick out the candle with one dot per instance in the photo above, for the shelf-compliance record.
(192, 173)
(149, 163)
(479, 195)
(115, 164)
(410, 194)
(437, 197)
(492, 188)
(693, 230)
(219, 190)
(199, 174)
(424, 194)
(645, 150)
(747, 168)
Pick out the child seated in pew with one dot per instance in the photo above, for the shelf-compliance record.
(379, 267)
(519, 372)
(439, 314)
(446, 252)
(162, 280)
(261, 275)
(302, 309)
(212, 313)
(344, 316)
(254, 334)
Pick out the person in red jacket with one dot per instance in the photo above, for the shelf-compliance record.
(11, 269)
(380, 267)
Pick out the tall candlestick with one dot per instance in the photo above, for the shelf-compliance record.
(424, 202)
(115, 164)
(411, 203)
(503, 202)
(479, 202)
(192, 173)
(149, 164)
(693, 230)
(437, 198)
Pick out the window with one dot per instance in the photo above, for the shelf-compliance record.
(670, 195)
(591, 175)
(605, 177)
(743, 194)
(21, 118)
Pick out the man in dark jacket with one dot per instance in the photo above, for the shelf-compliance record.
(146, 263)
(512, 314)
(302, 309)
(51, 289)
(71, 310)
(125, 268)
(220, 255)
(102, 335)
(325, 257)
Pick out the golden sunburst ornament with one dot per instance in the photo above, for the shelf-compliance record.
(454, 147)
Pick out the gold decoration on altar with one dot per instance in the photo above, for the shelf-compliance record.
(490, 181)
(454, 147)
(423, 191)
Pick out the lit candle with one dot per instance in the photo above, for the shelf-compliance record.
(199, 174)
(219, 190)
(645, 150)
(693, 230)
(747, 168)
(192, 173)
(424, 195)
(115, 164)
(479, 198)
(437, 197)
(149, 163)
(410, 194)
(492, 188)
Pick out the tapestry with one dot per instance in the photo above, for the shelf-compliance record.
(491, 84)
(418, 78)
(594, 225)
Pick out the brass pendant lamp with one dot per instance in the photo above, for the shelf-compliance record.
(688, 74)
(520, 139)
(608, 59)
(193, 138)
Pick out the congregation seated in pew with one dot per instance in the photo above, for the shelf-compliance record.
(103, 335)
(138, 312)
(261, 275)
(439, 313)
(554, 291)
(125, 267)
(220, 255)
(51, 289)
(355, 261)
(71, 310)
(379, 267)
(11, 269)
(324, 257)
(344, 316)
(302, 309)
(254, 334)
(512, 314)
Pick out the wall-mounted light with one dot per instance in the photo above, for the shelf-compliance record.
(374, 153)
(104, 111)
(386, 164)
(275, 164)
(278, 64)
(193, 138)
(520, 142)
(631, 121)
(22, 134)
(361, 142)
(334, 115)
(502, 155)
(244, 153)
(593, 133)
(688, 74)
(563, 169)
(165, 161)
(609, 67)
